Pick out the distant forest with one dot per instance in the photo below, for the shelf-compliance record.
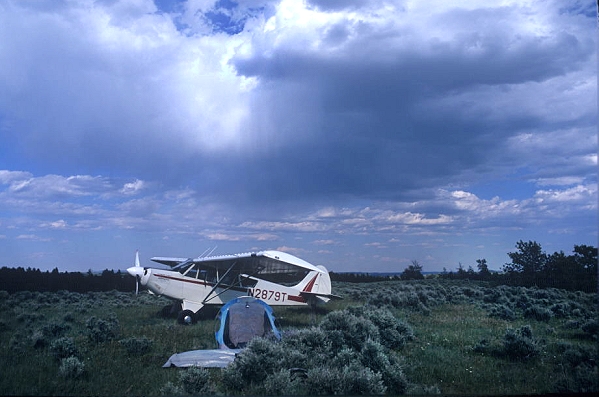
(530, 267)
(20, 279)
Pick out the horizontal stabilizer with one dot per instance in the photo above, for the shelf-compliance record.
(317, 295)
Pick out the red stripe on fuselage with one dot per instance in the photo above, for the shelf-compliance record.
(308, 287)
(296, 298)
(192, 281)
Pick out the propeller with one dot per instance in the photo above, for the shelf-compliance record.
(136, 271)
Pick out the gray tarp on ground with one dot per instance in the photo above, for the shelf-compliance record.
(218, 358)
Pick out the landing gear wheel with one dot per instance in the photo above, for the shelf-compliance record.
(186, 317)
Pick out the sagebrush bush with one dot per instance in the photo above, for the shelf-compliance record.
(63, 347)
(68, 317)
(538, 313)
(348, 380)
(502, 312)
(575, 355)
(520, 344)
(71, 368)
(483, 346)
(29, 318)
(560, 310)
(374, 356)
(584, 378)
(170, 389)
(348, 330)
(281, 383)
(591, 328)
(99, 330)
(260, 359)
(196, 381)
(136, 346)
(393, 333)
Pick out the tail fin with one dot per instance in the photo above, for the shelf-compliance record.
(317, 284)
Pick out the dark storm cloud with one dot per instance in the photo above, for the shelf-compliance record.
(378, 130)
(396, 128)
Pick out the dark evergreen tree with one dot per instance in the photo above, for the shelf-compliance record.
(413, 272)
(527, 263)
(483, 269)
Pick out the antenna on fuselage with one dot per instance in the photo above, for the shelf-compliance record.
(211, 251)
(206, 253)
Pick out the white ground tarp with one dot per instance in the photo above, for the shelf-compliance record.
(218, 358)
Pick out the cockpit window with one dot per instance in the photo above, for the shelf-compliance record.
(281, 272)
(234, 273)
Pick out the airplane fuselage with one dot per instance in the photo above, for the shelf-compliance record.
(195, 293)
(277, 278)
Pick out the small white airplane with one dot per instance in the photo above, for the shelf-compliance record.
(275, 277)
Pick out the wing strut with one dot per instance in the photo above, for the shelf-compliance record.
(218, 283)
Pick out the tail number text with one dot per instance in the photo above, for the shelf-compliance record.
(266, 294)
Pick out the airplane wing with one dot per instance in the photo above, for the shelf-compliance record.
(248, 262)
(172, 262)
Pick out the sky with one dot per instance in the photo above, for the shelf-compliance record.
(357, 134)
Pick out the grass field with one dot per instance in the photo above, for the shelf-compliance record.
(450, 338)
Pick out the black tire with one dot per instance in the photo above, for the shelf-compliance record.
(186, 317)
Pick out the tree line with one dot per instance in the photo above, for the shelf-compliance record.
(530, 266)
(20, 279)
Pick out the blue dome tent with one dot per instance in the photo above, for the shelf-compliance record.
(243, 318)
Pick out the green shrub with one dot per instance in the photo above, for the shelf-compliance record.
(591, 328)
(305, 347)
(63, 347)
(538, 313)
(483, 346)
(393, 332)
(572, 324)
(54, 329)
(356, 380)
(29, 318)
(502, 312)
(519, 344)
(560, 310)
(71, 368)
(195, 380)
(255, 363)
(345, 329)
(281, 383)
(575, 355)
(68, 317)
(99, 330)
(394, 379)
(136, 346)
(349, 380)
(584, 378)
(323, 381)
(170, 389)
(373, 356)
